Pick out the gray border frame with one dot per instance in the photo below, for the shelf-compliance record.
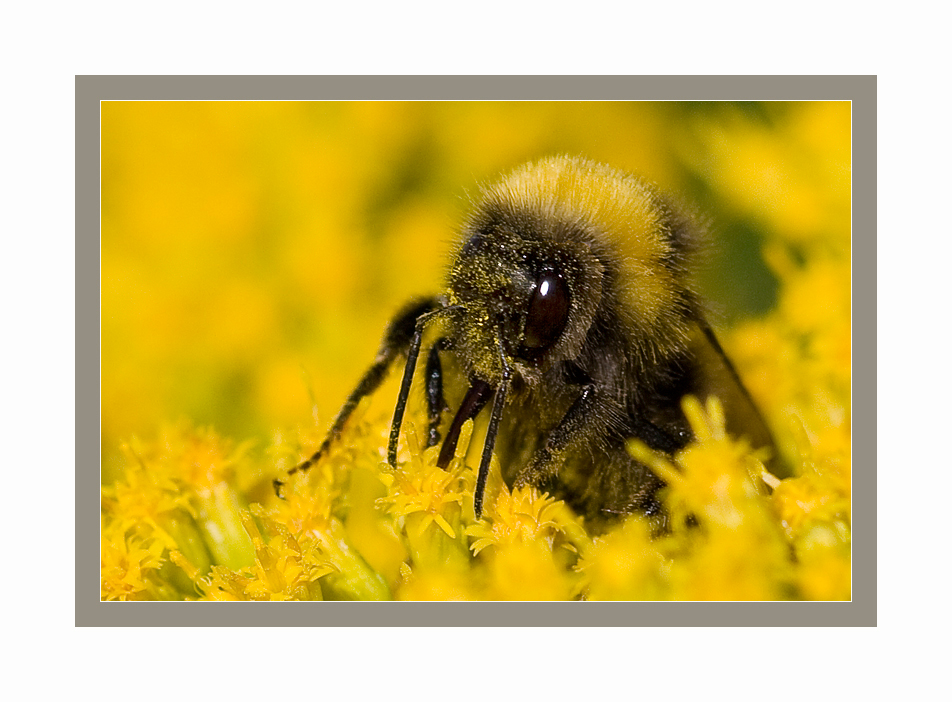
(861, 90)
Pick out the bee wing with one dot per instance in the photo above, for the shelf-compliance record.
(716, 375)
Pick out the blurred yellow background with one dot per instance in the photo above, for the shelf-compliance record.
(252, 253)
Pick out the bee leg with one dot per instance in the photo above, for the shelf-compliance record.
(397, 340)
(476, 398)
(436, 404)
(581, 416)
(413, 350)
(483, 474)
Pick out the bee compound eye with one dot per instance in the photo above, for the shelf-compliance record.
(548, 311)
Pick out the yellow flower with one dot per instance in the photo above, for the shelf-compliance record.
(428, 493)
(126, 564)
(427, 501)
(732, 565)
(525, 516)
(527, 570)
(143, 502)
(825, 571)
(285, 568)
(311, 512)
(715, 477)
(624, 564)
(437, 583)
(806, 499)
(736, 551)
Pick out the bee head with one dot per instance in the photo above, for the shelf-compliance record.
(526, 295)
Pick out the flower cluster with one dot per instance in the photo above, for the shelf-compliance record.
(352, 528)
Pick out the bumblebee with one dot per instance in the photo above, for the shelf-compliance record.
(570, 309)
